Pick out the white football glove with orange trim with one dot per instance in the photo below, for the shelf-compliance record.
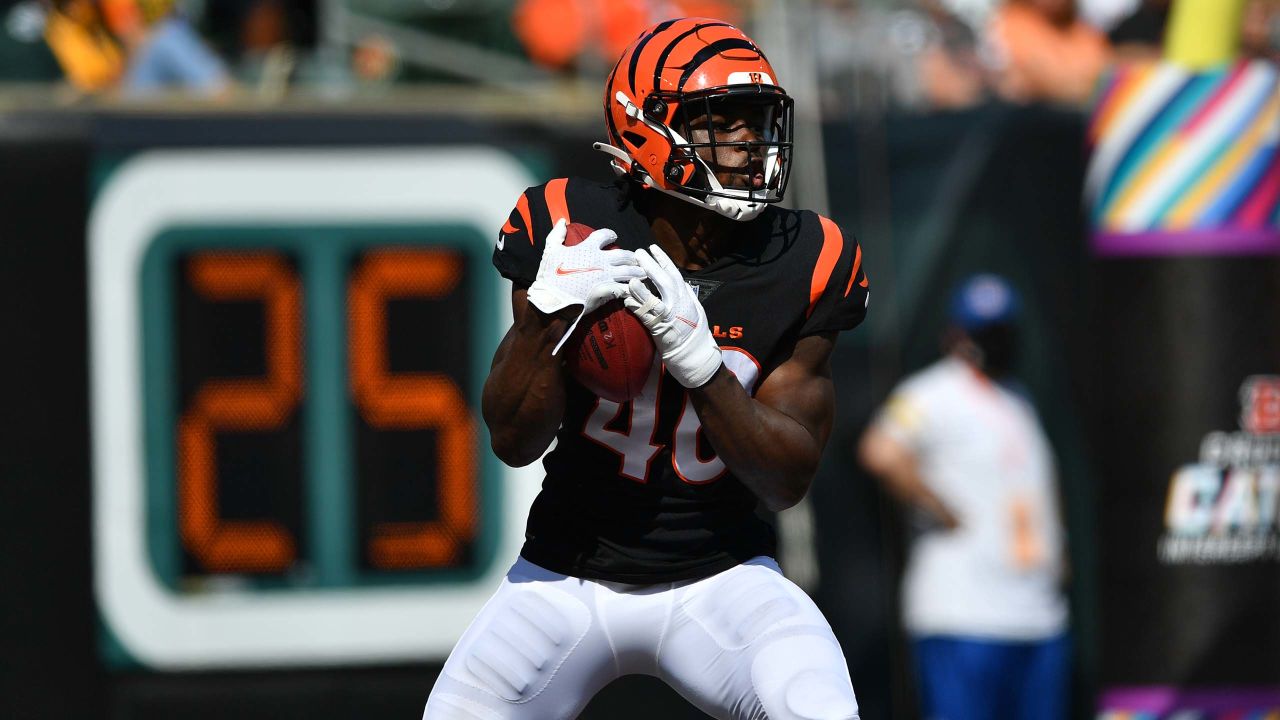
(675, 318)
(584, 274)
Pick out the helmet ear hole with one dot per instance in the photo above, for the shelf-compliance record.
(635, 138)
(680, 169)
(655, 108)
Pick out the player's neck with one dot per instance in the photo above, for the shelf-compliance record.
(692, 236)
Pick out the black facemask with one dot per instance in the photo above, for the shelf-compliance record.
(999, 346)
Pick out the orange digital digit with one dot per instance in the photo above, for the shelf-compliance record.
(239, 405)
(413, 401)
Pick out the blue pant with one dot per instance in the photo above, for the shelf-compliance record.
(972, 679)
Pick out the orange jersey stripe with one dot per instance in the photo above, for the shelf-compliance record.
(522, 206)
(557, 205)
(832, 244)
(857, 265)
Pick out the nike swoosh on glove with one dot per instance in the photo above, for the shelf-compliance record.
(585, 274)
(675, 318)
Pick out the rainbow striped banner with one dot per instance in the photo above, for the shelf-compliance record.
(1186, 162)
(1168, 703)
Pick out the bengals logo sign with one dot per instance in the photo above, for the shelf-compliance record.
(756, 78)
(1260, 404)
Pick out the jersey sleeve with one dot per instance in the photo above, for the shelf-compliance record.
(838, 289)
(518, 249)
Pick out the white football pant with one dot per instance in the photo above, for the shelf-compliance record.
(744, 644)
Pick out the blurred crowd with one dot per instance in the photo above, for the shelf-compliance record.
(140, 48)
(940, 54)
(906, 54)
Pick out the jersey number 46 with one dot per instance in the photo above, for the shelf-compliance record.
(636, 447)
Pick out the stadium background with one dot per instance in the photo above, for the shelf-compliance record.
(152, 249)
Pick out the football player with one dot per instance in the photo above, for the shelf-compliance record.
(644, 551)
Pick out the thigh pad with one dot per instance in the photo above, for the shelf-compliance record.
(741, 607)
(524, 643)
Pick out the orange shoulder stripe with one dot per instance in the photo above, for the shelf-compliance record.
(832, 244)
(522, 207)
(857, 265)
(557, 204)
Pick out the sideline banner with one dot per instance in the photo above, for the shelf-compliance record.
(1142, 703)
(1186, 163)
(1184, 194)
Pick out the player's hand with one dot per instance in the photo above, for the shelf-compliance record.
(675, 318)
(585, 274)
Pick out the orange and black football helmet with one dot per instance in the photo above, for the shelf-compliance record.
(673, 79)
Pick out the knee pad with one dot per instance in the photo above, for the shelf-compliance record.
(803, 677)
(820, 695)
(524, 643)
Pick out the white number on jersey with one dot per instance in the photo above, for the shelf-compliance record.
(635, 446)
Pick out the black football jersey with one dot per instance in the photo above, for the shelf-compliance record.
(634, 492)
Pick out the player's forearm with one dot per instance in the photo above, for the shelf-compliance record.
(524, 398)
(771, 453)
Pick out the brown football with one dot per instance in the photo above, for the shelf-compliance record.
(610, 352)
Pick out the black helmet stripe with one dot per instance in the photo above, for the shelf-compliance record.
(635, 56)
(666, 52)
(608, 116)
(710, 51)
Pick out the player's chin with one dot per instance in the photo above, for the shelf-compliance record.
(748, 178)
(734, 181)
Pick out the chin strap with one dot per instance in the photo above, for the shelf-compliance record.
(621, 161)
(735, 209)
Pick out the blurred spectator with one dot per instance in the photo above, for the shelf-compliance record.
(135, 46)
(375, 60)
(1043, 51)
(264, 27)
(962, 447)
(951, 74)
(563, 34)
(1140, 36)
(918, 56)
(266, 53)
(247, 31)
(165, 51)
(1260, 30)
(90, 57)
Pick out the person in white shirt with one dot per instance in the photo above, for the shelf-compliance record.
(960, 444)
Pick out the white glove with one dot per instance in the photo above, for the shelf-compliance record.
(585, 274)
(675, 318)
